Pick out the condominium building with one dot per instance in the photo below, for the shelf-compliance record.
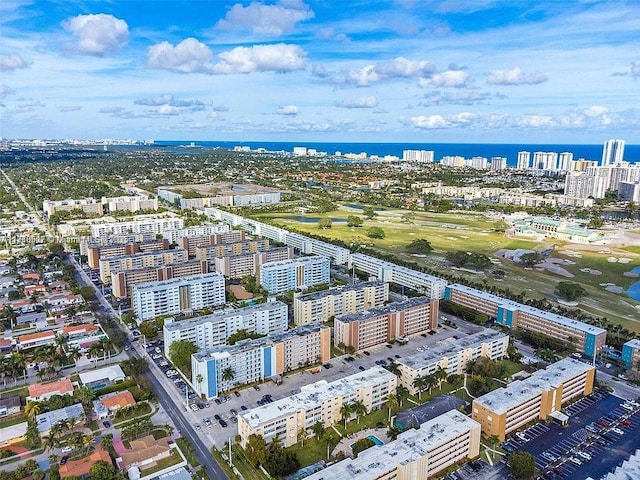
(379, 325)
(420, 156)
(564, 163)
(390, 272)
(150, 225)
(631, 354)
(629, 191)
(192, 243)
(122, 281)
(96, 251)
(168, 297)
(196, 231)
(214, 329)
(583, 185)
(545, 160)
(498, 163)
(129, 203)
(320, 306)
(587, 339)
(613, 152)
(451, 355)
(419, 453)
(223, 367)
(124, 238)
(317, 402)
(155, 258)
(542, 394)
(210, 252)
(524, 160)
(237, 265)
(87, 205)
(303, 272)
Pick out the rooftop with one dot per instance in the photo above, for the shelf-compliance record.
(78, 468)
(142, 254)
(315, 394)
(176, 281)
(387, 309)
(60, 387)
(408, 447)
(293, 261)
(44, 421)
(118, 400)
(634, 343)
(503, 399)
(13, 431)
(338, 290)
(36, 336)
(111, 372)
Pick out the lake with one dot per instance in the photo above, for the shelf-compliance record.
(634, 290)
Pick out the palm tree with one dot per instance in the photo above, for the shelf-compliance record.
(440, 375)
(419, 384)
(94, 350)
(48, 442)
(31, 409)
(228, 374)
(359, 409)
(74, 354)
(85, 395)
(302, 435)
(18, 365)
(393, 432)
(5, 368)
(318, 430)
(345, 413)
(392, 401)
(107, 346)
(402, 393)
(199, 379)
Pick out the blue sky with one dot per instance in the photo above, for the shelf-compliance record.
(326, 70)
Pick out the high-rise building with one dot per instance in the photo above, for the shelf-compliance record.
(498, 163)
(303, 272)
(564, 164)
(545, 160)
(420, 156)
(155, 258)
(612, 152)
(524, 160)
(168, 297)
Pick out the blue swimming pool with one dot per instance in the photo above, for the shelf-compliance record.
(373, 438)
(634, 290)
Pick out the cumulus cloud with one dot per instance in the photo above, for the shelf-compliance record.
(97, 34)
(6, 90)
(398, 67)
(11, 62)
(69, 108)
(288, 110)
(319, 71)
(220, 108)
(515, 76)
(160, 100)
(447, 79)
(280, 57)
(329, 33)
(362, 102)
(188, 56)
(263, 19)
(429, 122)
(458, 97)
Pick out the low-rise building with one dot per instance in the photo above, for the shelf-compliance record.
(156, 258)
(238, 265)
(587, 339)
(10, 405)
(320, 306)
(317, 402)
(44, 421)
(175, 235)
(168, 297)
(631, 354)
(39, 392)
(260, 359)
(80, 468)
(96, 250)
(102, 377)
(379, 325)
(416, 454)
(31, 340)
(191, 243)
(452, 356)
(286, 275)
(542, 394)
(146, 452)
(210, 252)
(214, 329)
(13, 434)
(147, 225)
(110, 403)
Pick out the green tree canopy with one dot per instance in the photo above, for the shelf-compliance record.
(324, 223)
(180, 354)
(369, 212)
(375, 232)
(102, 470)
(420, 246)
(149, 329)
(570, 291)
(354, 221)
(256, 450)
(529, 259)
(523, 465)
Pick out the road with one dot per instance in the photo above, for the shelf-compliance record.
(166, 398)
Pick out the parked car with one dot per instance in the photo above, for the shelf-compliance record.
(106, 424)
(197, 426)
(236, 393)
(361, 368)
(68, 449)
(64, 459)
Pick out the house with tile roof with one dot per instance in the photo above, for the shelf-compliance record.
(80, 468)
(43, 391)
(31, 340)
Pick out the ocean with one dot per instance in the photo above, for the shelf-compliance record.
(467, 150)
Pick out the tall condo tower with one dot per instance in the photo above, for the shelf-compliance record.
(612, 152)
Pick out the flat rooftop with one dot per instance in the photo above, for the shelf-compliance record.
(338, 290)
(138, 287)
(408, 447)
(294, 261)
(503, 399)
(142, 254)
(448, 348)
(378, 311)
(635, 343)
(220, 315)
(220, 189)
(316, 394)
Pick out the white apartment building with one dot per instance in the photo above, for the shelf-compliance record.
(151, 225)
(237, 265)
(419, 453)
(564, 163)
(317, 402)
(451, 355)
(156, 258)
(453, 161)
(629, 191)
(320, 306)
(196, 231)
(286, 275)
(613, 152)
(524, 160)
(131, 203)
(545, 160)
(420, 156)
(498, 163)
(168, 297)
(582, 185)
(480, 163)
(211, 330)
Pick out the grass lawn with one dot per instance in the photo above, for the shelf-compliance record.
(19, 418)
(173, 459)
(246, 469)
(472, 232)
(511, 367)
(217, 454)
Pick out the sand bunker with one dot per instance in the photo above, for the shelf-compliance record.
(631, 274)
(625, 260)
(614, 289)
(591, 271)
(612, 259)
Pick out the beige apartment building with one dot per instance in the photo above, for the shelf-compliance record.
(452, 355)
(237, 265)
(320, 306)
(96, 251)
(376, 326)
(123, 280)
(156, 258)
(210, 252)
(191, 243)
(416, 454)
(317, 402)
(544, 393)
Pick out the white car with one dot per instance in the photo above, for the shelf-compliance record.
(585, 455)
(617, 430)
(575, 460)
(68, 449)
(194, 407)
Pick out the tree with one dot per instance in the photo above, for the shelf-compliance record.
(102, 470)
(56, 248)
(570, 291)
(256, 450)
(376, 232)
(523, 465)
(199, 379)
(392, 402)
(324, 223)
(359, 409)
(85, 395)
(180, 354)
(149, 329)
(393, 432)
(420, 246)
(440, 375)
(228, 374)
(345, 413)
(500, 226)
(31, 409)
(419, 383)
(530, 259)
(279, 462)
(354, 221)
(369, 212)
(318, 430)
(402, 393)
(87, 293)
(106, 443)
(457, 259)
(302, 435)
(362, 445)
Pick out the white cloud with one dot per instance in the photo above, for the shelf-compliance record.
(596, 111)
(160, 100)
(398, 67)
(515, 76)
(220, 108)
(188, 56)
(447, 79)
(329, 33)
(6, 90)
(112, 110)
(280, 57)
(362, 102)
(457, 97)
(635, 69)
(69, 108)
(154, 101)
(263, 19)
(11, 62)
(430, 122)
(290, 110)
(97, 34)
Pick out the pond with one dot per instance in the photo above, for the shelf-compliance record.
(315, 219)
(634, 290)
(361, 207)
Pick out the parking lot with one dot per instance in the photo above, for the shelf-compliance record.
(601, 434)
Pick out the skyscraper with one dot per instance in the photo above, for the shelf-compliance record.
(524, 160)
(613, 152)
(564, 164)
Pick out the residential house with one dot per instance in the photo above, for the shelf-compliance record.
(109, 404)
(31, 340)
(13, 434)
(102, 377)
(9, 405)
(145, 453)
(45, 421)
(80, 468)
(39, 392)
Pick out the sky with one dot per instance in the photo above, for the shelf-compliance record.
(462, 71)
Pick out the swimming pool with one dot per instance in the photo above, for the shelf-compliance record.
(373, 438)
(634, 290)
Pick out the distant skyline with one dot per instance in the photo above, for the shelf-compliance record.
(322, 71)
